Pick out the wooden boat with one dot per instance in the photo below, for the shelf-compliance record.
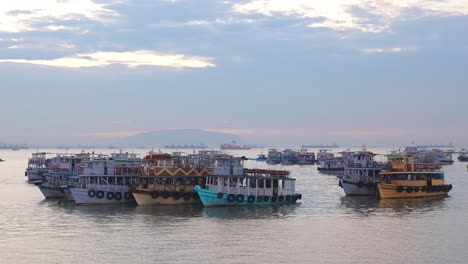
(405, 179)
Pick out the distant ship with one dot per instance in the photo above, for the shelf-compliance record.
(450, 145)
(234, 146)
(334, 145)
(201, 146)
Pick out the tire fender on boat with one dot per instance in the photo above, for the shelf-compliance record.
(280, 198)
(155, 194)
(251, 198)
(127, 196)
(110, 195)
(165, 194)
(409, 189)
(231, 198)
(288, 198)
(187, 196)
(266, 198)
(220, 195)
(118, 196)
(91, 193)
(259, 198)
(399, 189)
(240, 198)
(100, 194)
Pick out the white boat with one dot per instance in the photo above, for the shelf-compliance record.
(274, 157)
(289, 157)
(57, 177)
(304, 157)
(37, 166)
(335, 165)
(106, 180)
(360, 174)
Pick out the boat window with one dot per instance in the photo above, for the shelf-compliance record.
(268, 183)
(261, 183)
(253, 183)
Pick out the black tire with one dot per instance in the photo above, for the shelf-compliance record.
(176, 195)
(127, 196)
(165, 194)
(450, 187)
(409, 189)
(100, 194)
(240, 198)
(280, 198)
(251, 199)
(266, 198)
(274, 198)
(91, 193)
(288, 198)
(416, 189)
(424, 189)
(299, 196)
(196, 197)
(399, 189)
(118, 196)
(187, 196)
(110, 195)
(220, 195)
(231, 198)
(155, 195)
(259, 198)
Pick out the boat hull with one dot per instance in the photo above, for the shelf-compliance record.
(390, 191)
(210, 199)
(352, 188)
(34, 176)
(52, 192)
(81, 197)
(144, 197)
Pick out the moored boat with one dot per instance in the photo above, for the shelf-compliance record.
(232, 185)
(406, 179)
(38, 164)
(274, 157)
(360, 175)
(463, 156)
(289, 157)
(304, 157)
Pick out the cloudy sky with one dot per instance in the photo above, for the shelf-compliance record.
(374, 72)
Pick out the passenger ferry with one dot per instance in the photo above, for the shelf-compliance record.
(463, 155)
(335, 165)
(274, 157)
(106, 180)
(169, 180)
(405, 179)
(234, 146)
(38, 164)
(289, 157)
(232, 185)
(62, 168)
(304, 157)
(361, 174)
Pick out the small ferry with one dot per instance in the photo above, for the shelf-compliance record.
(38, 164)
(405, 179)
(361, 174)
(335, 165)
(289, 157)
(58, 176)
(232, 185)
(463, 156)
(106, 180)
(274, 157)
(169, 180)
(304, 157)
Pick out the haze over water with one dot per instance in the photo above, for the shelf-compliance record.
(325, 227)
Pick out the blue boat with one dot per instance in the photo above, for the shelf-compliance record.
(232, 185)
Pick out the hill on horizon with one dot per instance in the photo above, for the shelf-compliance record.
(177, 137)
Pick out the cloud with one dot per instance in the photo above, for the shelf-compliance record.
(367, 16)
(26, 15)
(386, 50)
(130, 59)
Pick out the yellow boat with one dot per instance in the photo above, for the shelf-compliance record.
(405, 179)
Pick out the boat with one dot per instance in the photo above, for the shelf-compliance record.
(261, 157)
(231, 184)
(58, 176)
(304, 157)
(406, 179)
(169, 181)
(431, 146)
(334, 145)
(323, 154)
(335, 165)
(289, 157)
(234, 146)
(463, 156)
(274, 157)
(106, 179)
(428, 156)
(38, 164)
(360, 174)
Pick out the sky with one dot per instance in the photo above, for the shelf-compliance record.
(271, 71)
